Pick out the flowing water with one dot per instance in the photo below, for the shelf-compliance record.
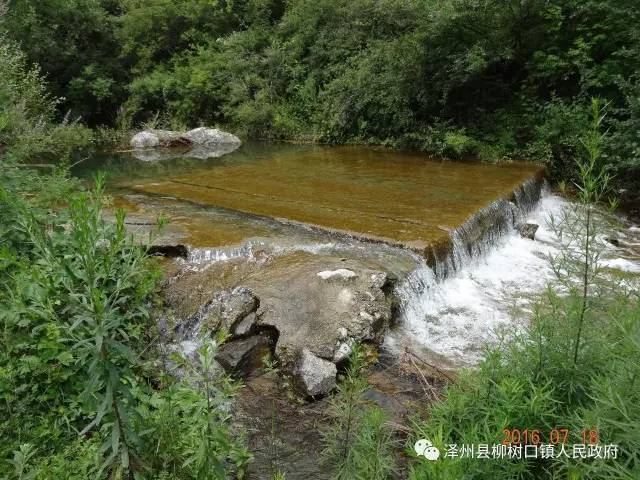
(445, 229)
(373, 194)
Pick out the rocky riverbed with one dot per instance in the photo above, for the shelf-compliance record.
(308, 310)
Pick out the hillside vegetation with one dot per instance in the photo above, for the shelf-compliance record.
(460, 78)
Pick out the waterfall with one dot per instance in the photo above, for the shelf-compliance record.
(482, 230)
(451, 300)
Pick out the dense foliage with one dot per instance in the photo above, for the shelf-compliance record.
(455, 77)
(533, 384)
(80, 381)
(27, 111)
(77, 391)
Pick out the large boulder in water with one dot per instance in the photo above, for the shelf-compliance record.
(210, 136)
(199, 143)
(145, 140)
(157, 138)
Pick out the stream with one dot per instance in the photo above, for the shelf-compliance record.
(445, 230)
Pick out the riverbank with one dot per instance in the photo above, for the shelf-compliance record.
(287, 322)
(412, 380)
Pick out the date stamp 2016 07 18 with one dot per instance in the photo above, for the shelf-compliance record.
(555, 436)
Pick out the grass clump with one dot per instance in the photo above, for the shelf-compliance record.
(358, 441)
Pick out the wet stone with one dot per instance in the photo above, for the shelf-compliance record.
(527, 230)
(245, 325)
(241, 357)
(238, 306)
(173, 251)
(315, 375)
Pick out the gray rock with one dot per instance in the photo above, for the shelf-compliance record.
(311, 312)
(245, 325)
(343, 350)
(210, 136)
(157, 138)
(199, 143)
(202, 136)
(199, 152)
(223, 311)
(527, 230)
(238, 306)
(315, 375)
(300, 309)
(245, 355)
(145, 140)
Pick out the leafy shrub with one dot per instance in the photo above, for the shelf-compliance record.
(27, 127)
(458, 145)
(75, 291)
(358, 443)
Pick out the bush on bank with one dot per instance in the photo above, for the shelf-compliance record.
(570, 370)
(79, 381)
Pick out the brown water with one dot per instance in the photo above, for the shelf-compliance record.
(401, 198)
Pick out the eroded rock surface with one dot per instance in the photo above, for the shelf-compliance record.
(224, 310)
(311, 315)
(319, 314)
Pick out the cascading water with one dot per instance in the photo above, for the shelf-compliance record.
(455, 301)
(468, 299)
(455, 305)
(482, 231)
(199, 256)
(449, 303)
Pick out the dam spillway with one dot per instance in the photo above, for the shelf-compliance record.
(370, 194)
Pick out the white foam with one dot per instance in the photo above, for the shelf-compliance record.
(621, 264)
(340, 273)
(458, 316)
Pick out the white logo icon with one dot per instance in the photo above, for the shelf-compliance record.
(424, 448)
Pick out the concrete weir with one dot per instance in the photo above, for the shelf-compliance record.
(436, 209)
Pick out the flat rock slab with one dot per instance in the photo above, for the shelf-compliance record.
(323, 316)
